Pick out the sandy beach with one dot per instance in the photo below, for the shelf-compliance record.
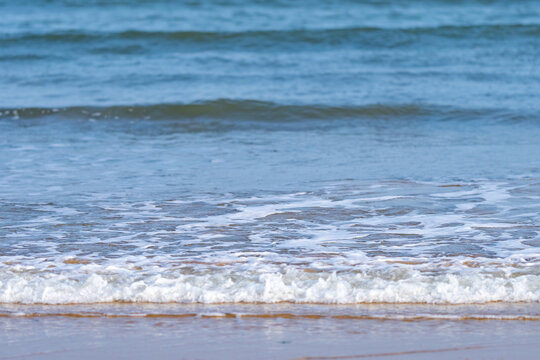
(283, 331)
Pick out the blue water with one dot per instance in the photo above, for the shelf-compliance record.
(245, 139)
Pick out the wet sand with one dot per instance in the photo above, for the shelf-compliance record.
(124, 331)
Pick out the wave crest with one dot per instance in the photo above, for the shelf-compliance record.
(396, 285)
(228, 109)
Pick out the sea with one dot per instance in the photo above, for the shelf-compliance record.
(361, 159)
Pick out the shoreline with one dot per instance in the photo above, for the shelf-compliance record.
(404, 312)
(275, 336)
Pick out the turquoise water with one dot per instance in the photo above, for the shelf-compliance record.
(224, 151)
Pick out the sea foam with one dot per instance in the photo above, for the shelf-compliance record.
(395, 284)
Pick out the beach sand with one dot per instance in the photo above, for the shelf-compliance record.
(283, 331)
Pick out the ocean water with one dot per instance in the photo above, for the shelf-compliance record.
(262, 152)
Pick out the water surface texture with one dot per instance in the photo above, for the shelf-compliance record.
(336, 152)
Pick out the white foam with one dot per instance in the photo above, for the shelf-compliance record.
(396, 243)
(394, 284)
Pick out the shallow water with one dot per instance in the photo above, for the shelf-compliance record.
(338, 153)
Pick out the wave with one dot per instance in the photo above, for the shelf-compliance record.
(332, 36)
(252, 110)
(224, 109)
(93, 283)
